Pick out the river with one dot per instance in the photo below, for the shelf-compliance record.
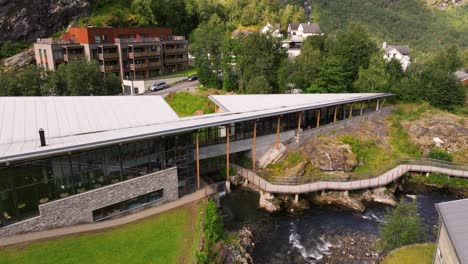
(320, 235)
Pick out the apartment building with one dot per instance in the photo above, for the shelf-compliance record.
(131, 53)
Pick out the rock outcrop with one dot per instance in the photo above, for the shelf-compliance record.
(328, 154)
(19, 60)
(340, 199)
(238, 251)
(379, 195)
(268, 203)
(31, 19)
(451, 129)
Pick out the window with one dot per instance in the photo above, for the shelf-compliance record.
(104, 38)
(118, 208)
(40, 54)
(97, 39)
(45, 54)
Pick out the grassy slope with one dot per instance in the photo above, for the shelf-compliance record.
(160, 239)
(416, 254)
(410, 22)
(187, 103)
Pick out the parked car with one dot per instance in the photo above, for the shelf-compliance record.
(159, 86)
(192, 78)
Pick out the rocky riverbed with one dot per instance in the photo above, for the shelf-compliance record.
(322, 234)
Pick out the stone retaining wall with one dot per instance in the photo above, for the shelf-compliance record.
(78, 209)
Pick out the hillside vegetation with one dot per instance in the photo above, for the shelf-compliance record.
(411, 22)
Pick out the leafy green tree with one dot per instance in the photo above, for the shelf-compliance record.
(331, 77)
(8, 85)
(144, 15)
(394, 69)
(258, 85)
(309, 61)
(375, 77)
(403, 227)
(30, 81)
(454, 59)
(354, 47)
(207, 46)
(259, 56)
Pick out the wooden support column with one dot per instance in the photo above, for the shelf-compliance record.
(381, 105)
(254, 146)
(377, 108)
(228, 132)
(197, 159)
(362, 107)
(278, 129)
(318, 118)
(299, 123)
(351, 111)
(334, 114)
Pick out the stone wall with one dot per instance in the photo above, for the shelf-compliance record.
(78, 209)
(306, 135)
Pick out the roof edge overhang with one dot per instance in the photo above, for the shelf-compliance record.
(122, 140)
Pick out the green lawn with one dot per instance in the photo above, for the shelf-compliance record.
(415, 254)
(169, 237)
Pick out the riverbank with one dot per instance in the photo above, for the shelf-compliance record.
(323, 234)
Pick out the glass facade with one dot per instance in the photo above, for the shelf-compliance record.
(24, 186)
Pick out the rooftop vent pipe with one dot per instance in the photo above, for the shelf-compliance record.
(42, 136)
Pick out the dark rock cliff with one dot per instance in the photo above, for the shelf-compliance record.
(30, 19)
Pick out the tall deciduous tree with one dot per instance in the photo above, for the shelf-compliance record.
(403, 227)
(374, 78)
(331, 77)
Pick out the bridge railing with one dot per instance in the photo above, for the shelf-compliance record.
(351, 176)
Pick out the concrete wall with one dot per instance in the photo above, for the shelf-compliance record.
(263, 143)
(445, 252)
(78, 209)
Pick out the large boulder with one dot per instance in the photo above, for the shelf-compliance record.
(339, 199)
(451, 129)
(328, 154)
(31, 19)
(19, 60)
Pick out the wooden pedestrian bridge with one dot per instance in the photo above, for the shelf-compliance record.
(352, 181)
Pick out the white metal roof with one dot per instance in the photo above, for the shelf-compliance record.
(256, 102)
(455, 218)
(22, 117)
(74, 123)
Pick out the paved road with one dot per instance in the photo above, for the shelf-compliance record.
(185, 85)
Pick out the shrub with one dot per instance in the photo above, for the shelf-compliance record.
(440, 154)
(404, 227)
(213, 230)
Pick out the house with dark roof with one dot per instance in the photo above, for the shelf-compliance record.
(292, 29)
(399, 52)
(309, 29)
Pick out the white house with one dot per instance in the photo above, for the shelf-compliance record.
(401, 53)
(274, 30)
(308, 29)
(292, 29)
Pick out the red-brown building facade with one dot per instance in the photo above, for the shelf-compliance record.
(132, 53)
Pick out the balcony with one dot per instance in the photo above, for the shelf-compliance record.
(72, 56)
(154, 64)
(176, 60)
(134, 67)
(173, 51)
(109, 68)
(134, 55)
(108, 56)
